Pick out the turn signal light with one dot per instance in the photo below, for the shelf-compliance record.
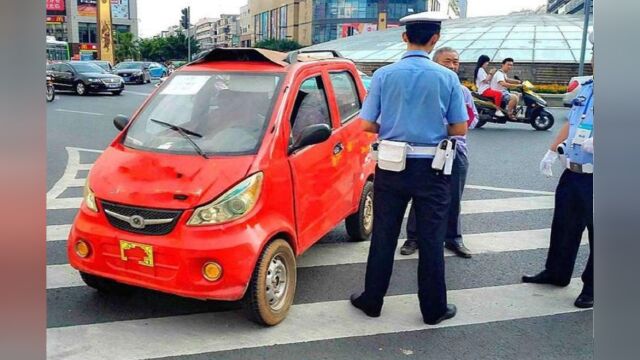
(82, 249)
(212, 271)
(572, 86)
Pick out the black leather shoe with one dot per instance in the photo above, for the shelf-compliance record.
(543, 278)
(584, 301)
(459, 249)
(451, 312)
(357, 301)
(409, 247)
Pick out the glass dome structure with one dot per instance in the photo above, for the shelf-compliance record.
(528, 38)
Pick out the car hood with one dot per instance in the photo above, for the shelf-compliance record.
(166, 181)
(98, 75)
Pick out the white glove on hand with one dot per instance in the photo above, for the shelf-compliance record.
(547, 162)
(587, 145)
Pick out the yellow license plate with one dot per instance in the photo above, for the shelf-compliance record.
(128, 246)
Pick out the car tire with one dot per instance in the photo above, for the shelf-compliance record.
(80, 88)
(106, 286)
(272, 286)
(360, 224)
(119, 92)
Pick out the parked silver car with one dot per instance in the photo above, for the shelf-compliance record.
(573, 89)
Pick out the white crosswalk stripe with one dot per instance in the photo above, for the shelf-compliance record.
(229, 330)
(201, 333)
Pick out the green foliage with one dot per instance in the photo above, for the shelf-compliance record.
(278, 45)
(126, 47)
(172, 47)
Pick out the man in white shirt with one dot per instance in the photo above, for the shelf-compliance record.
(501, 82)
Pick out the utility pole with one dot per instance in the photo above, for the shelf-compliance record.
(585, 32)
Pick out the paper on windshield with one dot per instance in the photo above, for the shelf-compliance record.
(185, 85)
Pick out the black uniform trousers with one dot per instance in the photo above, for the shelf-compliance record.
(453, 233)
(429, 191)
(573, 213)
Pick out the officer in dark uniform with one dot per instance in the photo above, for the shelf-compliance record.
(410, 102)
(574, 198)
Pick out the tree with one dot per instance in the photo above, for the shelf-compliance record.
(126, 47)
(168, 48)
(278, 45)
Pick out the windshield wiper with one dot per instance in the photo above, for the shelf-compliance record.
(185, 134)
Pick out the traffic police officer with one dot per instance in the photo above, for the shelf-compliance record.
(408, 103)
(574, 198)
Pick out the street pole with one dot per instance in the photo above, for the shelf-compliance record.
(188, 34)
(585, 32)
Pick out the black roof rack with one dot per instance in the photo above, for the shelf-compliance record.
(292, 57)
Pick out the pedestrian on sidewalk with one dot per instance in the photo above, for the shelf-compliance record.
(573, 210)
(449, 58)
(407, 104)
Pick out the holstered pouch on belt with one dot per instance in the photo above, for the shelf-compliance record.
(443, 159)
(392, 155)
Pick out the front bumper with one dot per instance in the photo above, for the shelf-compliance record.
(178, 256)
(102, 87)
(133, 78)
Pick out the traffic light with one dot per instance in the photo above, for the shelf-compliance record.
(185, 21)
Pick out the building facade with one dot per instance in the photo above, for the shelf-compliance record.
(228, 31)
(246, 30)
(205, 31)
(567, 6)
(74, 21)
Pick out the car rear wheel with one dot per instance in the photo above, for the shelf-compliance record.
(273, 285)
(81, 89)
(360, 224)
(104, 285)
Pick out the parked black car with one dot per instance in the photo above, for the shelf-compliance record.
(133, 72)
(84, 77)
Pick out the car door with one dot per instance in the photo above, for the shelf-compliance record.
(66, 76)
(313, 171)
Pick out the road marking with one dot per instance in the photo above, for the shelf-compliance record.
(79, 112)
(503, 205)
(64, 276)
(58, 232)
(63, 203)
(521, 191)
(213, 332)
(136, 93)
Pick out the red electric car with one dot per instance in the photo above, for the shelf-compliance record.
(238, 163)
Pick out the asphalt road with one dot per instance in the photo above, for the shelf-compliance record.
(499, 318)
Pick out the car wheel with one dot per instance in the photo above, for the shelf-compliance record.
(119, 92)
(106, 286)
(360, 224)
(148, 78)
(51, 93)
(273, 284)
(80, 88)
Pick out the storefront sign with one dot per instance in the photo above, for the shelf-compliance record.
(55, 19)
(88, 47)
(55, 5)
(356, 29)
(87, 8)
(120, 9)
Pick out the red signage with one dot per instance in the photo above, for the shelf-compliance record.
(55, 19)
(55, 5)
(91, 47)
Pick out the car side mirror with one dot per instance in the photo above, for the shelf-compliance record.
(310, 135)
(120, 122)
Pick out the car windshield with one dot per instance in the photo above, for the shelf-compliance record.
(84, 68)
(229, 110)
(129, 66)
(103, 65)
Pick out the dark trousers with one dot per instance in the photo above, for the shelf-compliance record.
(430, 194)
(573, 213)
(454, 227)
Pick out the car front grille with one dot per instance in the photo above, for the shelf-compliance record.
(111, 81)
(125, 74)
(145, 213)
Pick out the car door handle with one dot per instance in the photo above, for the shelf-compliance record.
(338, 148)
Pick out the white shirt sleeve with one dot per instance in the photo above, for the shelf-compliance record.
(495, 82)
(480, 84)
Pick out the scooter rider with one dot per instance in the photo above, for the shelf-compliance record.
(483, 79)
(501, 82)
(574, 198)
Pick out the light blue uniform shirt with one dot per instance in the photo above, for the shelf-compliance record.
(581, 116)
(413, 99)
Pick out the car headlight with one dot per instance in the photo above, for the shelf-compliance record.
(90, 197)
(232, 205)
(93, 80)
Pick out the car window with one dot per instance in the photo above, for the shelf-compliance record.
(65, 68)
(310, 107)
(346, 95)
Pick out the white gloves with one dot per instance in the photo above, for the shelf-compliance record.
(587, 145)
(547, 162)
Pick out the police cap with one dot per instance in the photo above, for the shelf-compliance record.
(429, 19)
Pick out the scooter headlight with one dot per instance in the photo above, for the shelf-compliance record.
(90, 197)
(232, 205)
